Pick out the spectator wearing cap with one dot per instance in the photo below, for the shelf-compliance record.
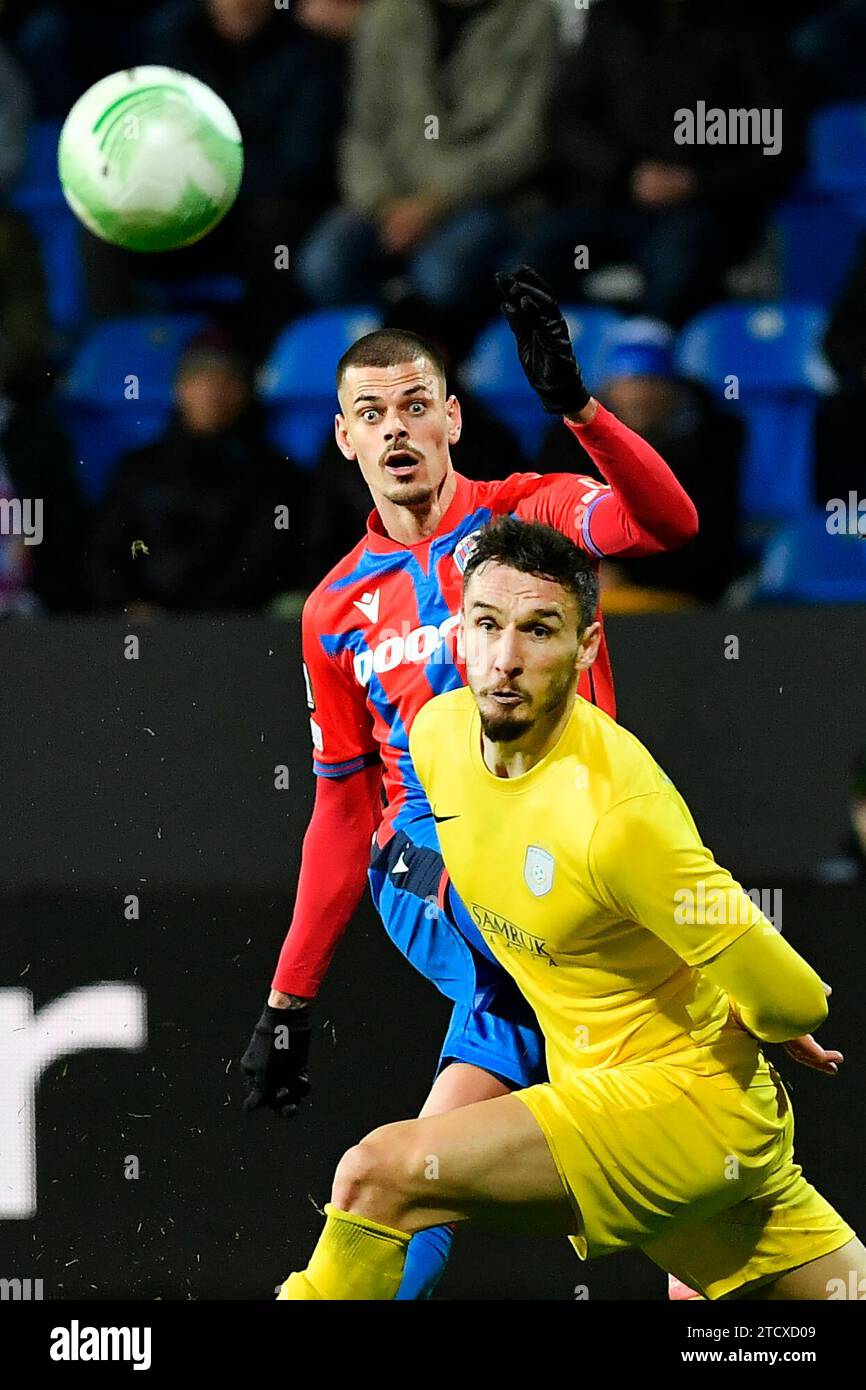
(204, 502)
(702, 445)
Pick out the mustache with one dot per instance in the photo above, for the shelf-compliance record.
(402, 449)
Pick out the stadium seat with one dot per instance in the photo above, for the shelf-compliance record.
(766, 361)
(837, 154)
(39, 197)
(815, 238)
(297, 381)
(806, 563)
(493, 371)
(118, 392)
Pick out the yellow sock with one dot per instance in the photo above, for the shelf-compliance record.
(354, 1259)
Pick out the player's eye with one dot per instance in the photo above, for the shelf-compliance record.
(539, 631)
(418, 403)
(486, 624)
(369, 415)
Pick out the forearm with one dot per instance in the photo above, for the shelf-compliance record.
(333, 874)
(647, 510)
(775, 991)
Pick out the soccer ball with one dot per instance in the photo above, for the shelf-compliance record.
(150, 159)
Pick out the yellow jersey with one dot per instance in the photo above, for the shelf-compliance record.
(589, 881)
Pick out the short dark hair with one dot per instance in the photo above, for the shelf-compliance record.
(388, 347)
(533, 548)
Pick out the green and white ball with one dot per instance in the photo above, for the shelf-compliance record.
(150, 159)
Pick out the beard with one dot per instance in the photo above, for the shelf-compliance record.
(508, 726)
(412, 495)
(502, 728)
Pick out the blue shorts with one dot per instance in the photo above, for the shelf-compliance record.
(492, 1026)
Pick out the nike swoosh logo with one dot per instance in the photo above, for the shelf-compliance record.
(440, 819)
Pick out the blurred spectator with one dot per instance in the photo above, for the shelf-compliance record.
(67, 47)
(831, 47)
(840, 430)
(23, 309)
(340, 500)
(683, 212)
(39, 485)
(441, 158)
(335, 19)
(850, 865)
(283, 83)
(203, 501)
(702, 445)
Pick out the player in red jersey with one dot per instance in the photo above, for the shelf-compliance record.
(379, 641)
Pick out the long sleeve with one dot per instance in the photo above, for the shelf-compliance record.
(333, 873)
(641, 510)
(646, 510)
(778, 995)
(647, 862)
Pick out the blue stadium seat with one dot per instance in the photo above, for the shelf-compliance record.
(39, 197)
(118, 392)
(493, 371)
(816, 240)
(297, 381)
(770, 355)
(806, 563)
(837, 154)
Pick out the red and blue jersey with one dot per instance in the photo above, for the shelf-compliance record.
(379, 639)
(380, 630)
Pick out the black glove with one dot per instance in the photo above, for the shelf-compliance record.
(543, 343)
(275, 1063)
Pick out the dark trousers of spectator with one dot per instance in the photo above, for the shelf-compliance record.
(451, 272)
(683, 252)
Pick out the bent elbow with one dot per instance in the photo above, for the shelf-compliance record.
(675, 532)
(819, 1015)
(688, 524)
(806, 1017)
(692, 523)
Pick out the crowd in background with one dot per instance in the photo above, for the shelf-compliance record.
(553, 128)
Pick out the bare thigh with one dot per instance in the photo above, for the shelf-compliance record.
(459, 1084)
(486, 1162)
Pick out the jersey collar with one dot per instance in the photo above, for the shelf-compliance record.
(381, 543)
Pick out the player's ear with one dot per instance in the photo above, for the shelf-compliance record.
(455, 419)
(341, 435)
(588, 645)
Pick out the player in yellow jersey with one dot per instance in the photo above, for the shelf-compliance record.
(653, 976)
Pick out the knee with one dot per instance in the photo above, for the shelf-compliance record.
(375, 1177)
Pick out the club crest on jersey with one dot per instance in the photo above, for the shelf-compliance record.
(463, 549)
(538, 871)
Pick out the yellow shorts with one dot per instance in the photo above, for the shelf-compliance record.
(696, 1170)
